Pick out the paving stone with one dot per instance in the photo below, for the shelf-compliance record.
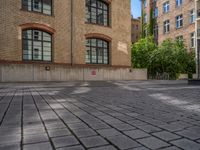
(171, 148)
(10, 147)
(36, 138)
(79, 147)
(84, 132)
(93, 141)
(10, 139)
(198, 141)
(149, 128)
(58, 132)
(123, 142)
(135, 134)
(186, 144)
(77, 126)
(167, 136)
(10, 131)
(175, 126)
(139, 148)
(34, 131)
(136, 123)
(108, 132)
(153, 143)
(64, 141)
(54, 125)
(38, 146)
(104, 148)
(193, 135)
(99, 126)
(123, 127)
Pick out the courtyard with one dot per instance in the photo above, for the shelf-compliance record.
(112, 115)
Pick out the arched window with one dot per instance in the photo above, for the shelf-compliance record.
(37, 45)
(42, 6)
(97, 51)
(97, 11)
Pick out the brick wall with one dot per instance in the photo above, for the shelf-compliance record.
(187, 28)
(12, 17)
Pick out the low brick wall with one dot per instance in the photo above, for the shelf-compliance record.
(39, 72)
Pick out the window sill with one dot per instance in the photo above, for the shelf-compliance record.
(166, 33)
(177, 28)
(35, 12)
(37, 61)
(98, 25)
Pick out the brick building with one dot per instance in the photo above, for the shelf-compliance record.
(197, 29)
(174, 19)
(135, 29)
(64, 40)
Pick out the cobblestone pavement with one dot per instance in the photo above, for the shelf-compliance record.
(122, 115)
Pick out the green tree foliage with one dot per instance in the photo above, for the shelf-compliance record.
(141, 52)
(170, 57)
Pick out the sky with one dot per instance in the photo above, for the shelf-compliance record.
(136, 8)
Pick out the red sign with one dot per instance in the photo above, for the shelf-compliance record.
(94, 72)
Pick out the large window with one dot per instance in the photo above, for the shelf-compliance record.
(179, 21)
(37, 45)
(192, 16)
(166, 26)
(180, 38)
(192, 40)
(97, 12)
(155, 12)
(97, 51)
(179, 3)
(42, 6)
(166, 7)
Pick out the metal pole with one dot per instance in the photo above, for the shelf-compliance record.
(72, 28)
(198, 58)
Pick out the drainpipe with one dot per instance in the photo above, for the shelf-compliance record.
(198, 58)
(197, 42)
(72, 28)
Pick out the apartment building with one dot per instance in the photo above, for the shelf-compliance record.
(42, 40)
(135, 29)
(173, 19)
(197, 29)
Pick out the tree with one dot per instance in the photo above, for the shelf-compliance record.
(141, 51)
(170, 57)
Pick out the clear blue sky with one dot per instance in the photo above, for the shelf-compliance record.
(136, 8)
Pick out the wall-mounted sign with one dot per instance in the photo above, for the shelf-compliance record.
(94, 73)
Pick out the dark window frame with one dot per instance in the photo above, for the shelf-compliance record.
(42, 44)
(89, 7)
(42, 8)
(97, 48)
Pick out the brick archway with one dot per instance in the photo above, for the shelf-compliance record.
(98, 35)
(38, 26)
(107, 1)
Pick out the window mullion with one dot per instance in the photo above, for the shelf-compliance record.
(97, 13)
(32, 43)
(42, 45)
(42, 6)
(31, 5)
(97, 51)
(90, 51)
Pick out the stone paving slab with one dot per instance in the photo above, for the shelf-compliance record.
(186, 144)
(117, 115)
(153, 143)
